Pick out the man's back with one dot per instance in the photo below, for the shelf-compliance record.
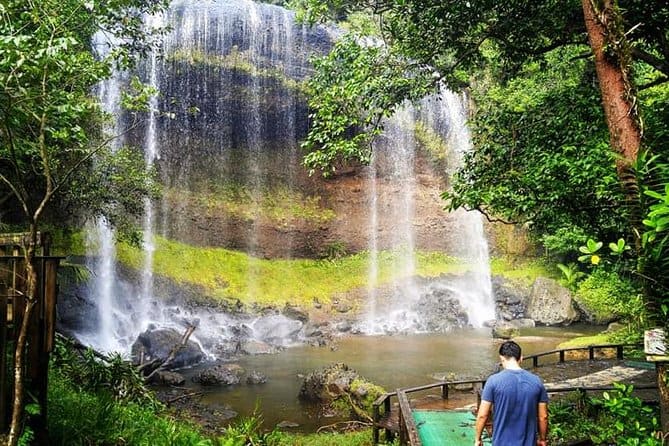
(515, 395)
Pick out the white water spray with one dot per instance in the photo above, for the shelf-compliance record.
(392, 189)
(474, 289)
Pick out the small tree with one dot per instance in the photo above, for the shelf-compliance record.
(51, 141)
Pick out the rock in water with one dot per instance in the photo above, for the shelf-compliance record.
(158, 343)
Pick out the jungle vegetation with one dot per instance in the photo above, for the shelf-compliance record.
(570, 119)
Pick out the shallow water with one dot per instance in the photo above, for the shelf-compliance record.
(389, 361)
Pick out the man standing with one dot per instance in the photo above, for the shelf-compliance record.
(519, 401)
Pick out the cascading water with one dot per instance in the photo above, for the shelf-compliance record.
(231, 114)
(397, 309)
(229, 109)
(99, 236)
(446, 115)
(151, 154)
(392, 171)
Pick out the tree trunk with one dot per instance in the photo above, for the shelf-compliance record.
(22, 340)
(613, 65)
(663, 389)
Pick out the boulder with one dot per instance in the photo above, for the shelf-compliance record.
(167, 378)
(158, 343)
(296, 313)
(511, 298)
(339, 390)
(276, 329)
(255, 377)
(439, 310)
(614, 326)
(551, 303)
(523, 323)
(504, 330)
(220, 375)
(596, 315)
(327, 384)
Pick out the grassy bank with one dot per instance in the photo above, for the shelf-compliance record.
(522, 271)
(227, 274)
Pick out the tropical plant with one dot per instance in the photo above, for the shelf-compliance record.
(570, 274)
(624, 419)
(590, 252)
(606, 295)
(617, 417)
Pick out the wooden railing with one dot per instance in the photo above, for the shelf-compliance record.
(384, 418)
(41, 329)
(592, 349)
(401, 422)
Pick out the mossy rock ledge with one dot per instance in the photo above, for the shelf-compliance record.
(340, 391)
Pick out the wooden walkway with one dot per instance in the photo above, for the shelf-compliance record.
(396, 419)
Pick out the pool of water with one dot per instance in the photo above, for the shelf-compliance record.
(389, 361)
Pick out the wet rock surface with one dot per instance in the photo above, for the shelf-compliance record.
(551, 304)
(156, 344)
(220, 375)
(439, 310)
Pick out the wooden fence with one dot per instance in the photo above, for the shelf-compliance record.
(41, 328)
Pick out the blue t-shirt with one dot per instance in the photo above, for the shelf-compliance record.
(515, 395)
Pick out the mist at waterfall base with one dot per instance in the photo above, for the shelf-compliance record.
(216, 52)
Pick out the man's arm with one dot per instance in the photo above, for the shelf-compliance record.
(481, 419)
(542, 424)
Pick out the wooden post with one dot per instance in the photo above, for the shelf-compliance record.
(619, 352)
(408, 428)
(535, 361)
(662, 369)
(561, 355)
(4, 385)
(444, 392)
(591, 352)
(40, 335)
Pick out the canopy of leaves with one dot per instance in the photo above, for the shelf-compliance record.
(364, 83)
(50, 124)
(447, 38)
(541, 155)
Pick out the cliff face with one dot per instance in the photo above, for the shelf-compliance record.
(334, 219)
(231, 114)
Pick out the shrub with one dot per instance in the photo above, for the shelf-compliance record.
(605, 296)
(624, 419)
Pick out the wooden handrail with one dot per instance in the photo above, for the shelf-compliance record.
(597, 389)
(408, 428)
(590, 348)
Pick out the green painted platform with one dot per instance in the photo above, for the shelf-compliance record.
(446, 428)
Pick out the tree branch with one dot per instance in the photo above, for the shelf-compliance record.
(652, 60)
(659, 81)
(173, 353)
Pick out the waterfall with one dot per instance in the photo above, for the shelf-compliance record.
(229, 108)
(223, 135)
(392, 190)
(151, 154)
(477, 286)
(99, 235)
(446, 114)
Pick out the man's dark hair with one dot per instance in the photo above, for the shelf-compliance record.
(510, 349)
